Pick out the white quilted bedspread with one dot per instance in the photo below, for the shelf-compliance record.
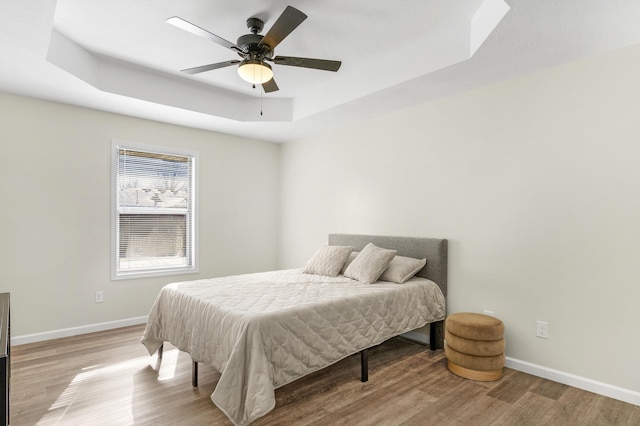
(264, 330)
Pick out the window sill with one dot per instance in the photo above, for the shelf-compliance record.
(150, 274)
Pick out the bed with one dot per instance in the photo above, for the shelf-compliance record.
(262, 331)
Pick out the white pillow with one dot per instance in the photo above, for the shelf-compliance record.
(402, 268)
(370, 264)
(328, 260)
(350, 259)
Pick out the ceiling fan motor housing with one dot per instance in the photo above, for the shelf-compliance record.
(252, 49)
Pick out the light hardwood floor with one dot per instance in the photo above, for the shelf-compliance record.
(108, 378)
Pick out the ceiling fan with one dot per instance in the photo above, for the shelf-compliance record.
(255, 49)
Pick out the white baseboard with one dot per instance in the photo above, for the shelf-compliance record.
(615, 392)
(74, 331)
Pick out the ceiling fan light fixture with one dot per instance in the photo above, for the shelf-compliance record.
(254, 71)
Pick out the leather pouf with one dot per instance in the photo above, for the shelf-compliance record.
(474, 346)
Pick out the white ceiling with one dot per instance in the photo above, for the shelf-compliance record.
(121, 55)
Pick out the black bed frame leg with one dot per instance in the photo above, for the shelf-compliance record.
(364, 365)
(436, 335)
(159, 358)
(194, 374)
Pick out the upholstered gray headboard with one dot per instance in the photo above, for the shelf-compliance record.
(433, 249)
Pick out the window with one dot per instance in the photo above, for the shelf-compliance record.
(153, 226)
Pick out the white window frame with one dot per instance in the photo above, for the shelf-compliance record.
(192, 233)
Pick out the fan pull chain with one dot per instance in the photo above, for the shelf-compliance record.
(261, 91)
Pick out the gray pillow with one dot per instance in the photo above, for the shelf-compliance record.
(328, 260)
(402, 268)
(370, 264)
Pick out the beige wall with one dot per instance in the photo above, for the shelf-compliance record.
(536, 184)
(55, 182)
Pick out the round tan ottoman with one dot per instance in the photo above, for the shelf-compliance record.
(474, 346)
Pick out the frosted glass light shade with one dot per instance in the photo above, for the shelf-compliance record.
(255, 72)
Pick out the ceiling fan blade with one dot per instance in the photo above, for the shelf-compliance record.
(201, 32)
(270, 86)
(286, 22)
(318, 64)
(203, 68)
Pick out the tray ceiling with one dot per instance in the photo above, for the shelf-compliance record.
(121, 56)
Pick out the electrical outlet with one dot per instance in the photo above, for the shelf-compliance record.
(488, 312)
(542, 329)
(99, 296)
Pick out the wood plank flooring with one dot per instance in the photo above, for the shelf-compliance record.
(107, 378)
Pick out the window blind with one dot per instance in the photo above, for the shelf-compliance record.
(154, 212)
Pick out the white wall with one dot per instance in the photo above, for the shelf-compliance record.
(536, 184)
(55, 168)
